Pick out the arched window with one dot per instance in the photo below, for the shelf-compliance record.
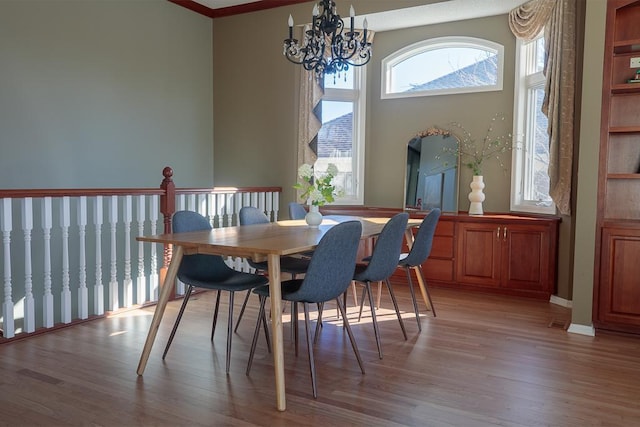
(444, 65)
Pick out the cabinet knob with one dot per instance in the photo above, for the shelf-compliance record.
(504, 234)
(498, 234)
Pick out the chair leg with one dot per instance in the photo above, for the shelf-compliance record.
(413, 298)
(395, 305)
(256, 332)
(230, 329)
(426, 289)
(351, 337)
(244, 305)
(312, 366)
(185, 300)
(267, 336)
(294, 325)
(354, 291)
(364, 295)
(367, 289)
(379, 295)
(215, 315)
(318, 322)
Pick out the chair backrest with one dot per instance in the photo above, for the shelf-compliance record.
(197, 267)
(332, 264)
(386, 251)
(296, 211)
(250, 215)
(423, 241)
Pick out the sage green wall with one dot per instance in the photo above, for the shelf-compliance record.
(104, 94)
(587, 197)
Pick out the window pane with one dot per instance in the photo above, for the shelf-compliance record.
(538, 173)
(335, 143)
(539, 55)
(446, 68)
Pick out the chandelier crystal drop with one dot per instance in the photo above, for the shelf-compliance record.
(327, 48)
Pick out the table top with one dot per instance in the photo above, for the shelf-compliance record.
(276, 238)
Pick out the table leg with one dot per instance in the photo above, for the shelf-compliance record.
(275, 293)
(423, 289)
(163, 298)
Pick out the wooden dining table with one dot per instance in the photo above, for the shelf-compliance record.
(259, 242)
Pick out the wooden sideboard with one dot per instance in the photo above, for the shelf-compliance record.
(499, 253)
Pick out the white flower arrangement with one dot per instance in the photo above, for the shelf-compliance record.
(317, 190)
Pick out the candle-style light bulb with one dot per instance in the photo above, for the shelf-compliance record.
(290, 20)
(316, 10)
(364, 25)
(290, 27)
(352, 14)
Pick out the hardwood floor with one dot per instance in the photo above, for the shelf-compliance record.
(485, 360)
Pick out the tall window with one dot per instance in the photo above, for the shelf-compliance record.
(341, 138)
(530, 161)
(443, 65)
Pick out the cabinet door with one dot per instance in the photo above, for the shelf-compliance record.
(478, 254)
(525, 255)
(620, 276)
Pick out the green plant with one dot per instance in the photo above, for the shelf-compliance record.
(317, 190)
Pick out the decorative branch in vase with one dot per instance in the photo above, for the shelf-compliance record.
(317, 190)
(473, 154)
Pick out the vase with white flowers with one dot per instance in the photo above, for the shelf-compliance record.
(316, 190)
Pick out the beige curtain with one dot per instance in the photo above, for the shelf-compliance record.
(558, 19)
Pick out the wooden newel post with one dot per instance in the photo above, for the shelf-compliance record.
(167, 208)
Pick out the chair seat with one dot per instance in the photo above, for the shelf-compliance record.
(237, 281)
(291, 265)
(288, 288)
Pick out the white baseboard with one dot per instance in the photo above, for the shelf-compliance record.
(560, 301)
(588, 330)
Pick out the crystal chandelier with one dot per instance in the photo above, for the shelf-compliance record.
(327, 48)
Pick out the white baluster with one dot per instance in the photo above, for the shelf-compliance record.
(154, 209)
(181, 203)
(29, 302)
(261, 203)
(219, 214)
(65, 297)
(202, 204)
(127, 217)
(228, 202)
(276, 205)
(83, 292)
(141, 283)
(47, 299)
(211, 208)
(7, 304)
(191, 203)
(98, 287)
(269, 205)
(113, 280)
(254, 200)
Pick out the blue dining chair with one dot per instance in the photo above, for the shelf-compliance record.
(208, 272)
(382, 263)
(420, 250)
(296, 211)
(250, 215)
(328, 277)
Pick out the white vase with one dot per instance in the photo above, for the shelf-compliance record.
(476, 197)
(313, 217)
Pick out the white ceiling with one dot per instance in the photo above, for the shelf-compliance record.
(444, 11)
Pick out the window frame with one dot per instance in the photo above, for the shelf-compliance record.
(527, 81)
(357, 96)
(435, 44)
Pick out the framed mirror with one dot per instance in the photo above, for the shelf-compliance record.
(431, 179)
